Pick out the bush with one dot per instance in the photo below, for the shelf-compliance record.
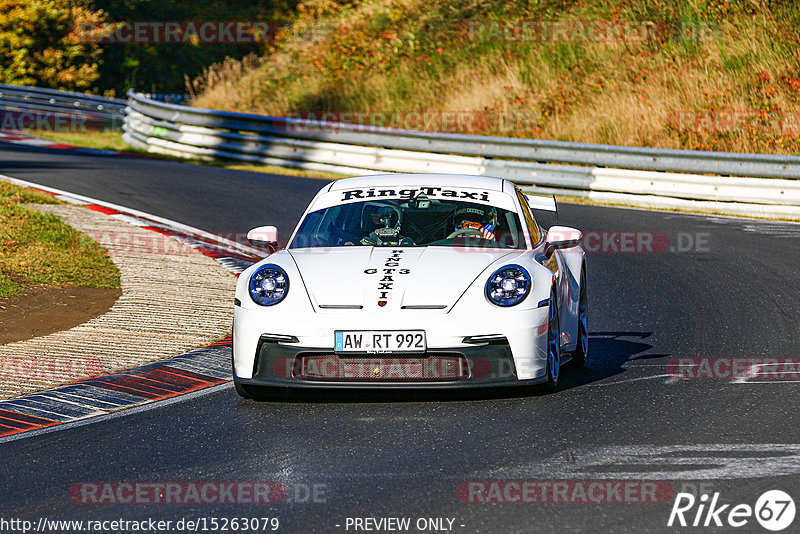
(39, 44)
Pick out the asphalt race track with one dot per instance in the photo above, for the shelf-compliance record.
(728, 289)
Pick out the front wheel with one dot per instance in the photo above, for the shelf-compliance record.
(553, 345)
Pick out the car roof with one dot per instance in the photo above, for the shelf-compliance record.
(399, 180)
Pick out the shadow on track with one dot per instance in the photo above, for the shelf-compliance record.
(608, 352)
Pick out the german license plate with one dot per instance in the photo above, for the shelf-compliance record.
(380, 342)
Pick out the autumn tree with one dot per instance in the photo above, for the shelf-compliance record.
(41, 43)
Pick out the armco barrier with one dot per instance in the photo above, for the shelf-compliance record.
(746, 184)
(761, 184)
(36, 101)
(690, 161)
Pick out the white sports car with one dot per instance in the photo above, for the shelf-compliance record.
(412, 281)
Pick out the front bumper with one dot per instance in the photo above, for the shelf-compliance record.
(518, 356)
(287, 365)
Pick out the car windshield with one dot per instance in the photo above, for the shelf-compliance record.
(416, 222)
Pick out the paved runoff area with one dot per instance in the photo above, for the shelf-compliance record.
(174, 299)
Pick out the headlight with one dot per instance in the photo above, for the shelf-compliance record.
(508, 286)
(268, 285)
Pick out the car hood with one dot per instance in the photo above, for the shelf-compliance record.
(386, 278)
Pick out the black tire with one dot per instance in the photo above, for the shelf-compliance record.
(553, 345)
(582, 342)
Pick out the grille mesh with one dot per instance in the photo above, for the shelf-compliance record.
(383, 368)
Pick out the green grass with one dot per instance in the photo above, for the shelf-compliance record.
(703, 58)
(107, 140)
(38, 249)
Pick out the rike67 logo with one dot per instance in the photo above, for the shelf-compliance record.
(774, 510)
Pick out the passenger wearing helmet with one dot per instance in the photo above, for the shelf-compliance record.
(475, 221)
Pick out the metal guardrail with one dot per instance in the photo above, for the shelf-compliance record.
(543, 151)
(772, 187)
(37, 101)
(748, 184)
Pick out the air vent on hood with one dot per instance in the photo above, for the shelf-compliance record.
(340, 306)
(424, 307)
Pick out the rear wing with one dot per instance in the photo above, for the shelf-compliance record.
(544, 204)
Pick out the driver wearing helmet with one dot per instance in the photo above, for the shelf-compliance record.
(481, 219)
(380, 217)
(382, 226)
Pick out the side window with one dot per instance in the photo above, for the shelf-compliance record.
(533, 228)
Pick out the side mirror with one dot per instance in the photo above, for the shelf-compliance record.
(561, 237)
(264, 236)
